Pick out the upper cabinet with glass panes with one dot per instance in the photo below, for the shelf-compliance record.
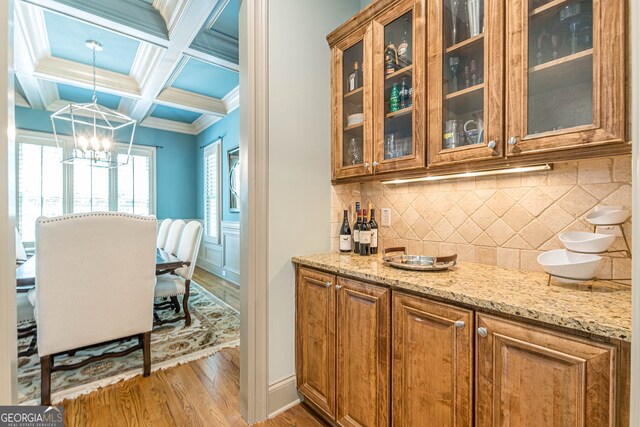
(425, 86)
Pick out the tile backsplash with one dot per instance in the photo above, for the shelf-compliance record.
(505, 220)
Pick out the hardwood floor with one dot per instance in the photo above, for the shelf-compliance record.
(205, 392)
(223, 289)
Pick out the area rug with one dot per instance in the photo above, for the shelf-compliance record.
(214, 326)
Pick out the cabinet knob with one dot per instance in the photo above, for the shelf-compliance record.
(483, 332)
(366, 165)
(338, 287)
(459, 324)
(491, 144)
(512, 140)
(375, 164)
(328, 284)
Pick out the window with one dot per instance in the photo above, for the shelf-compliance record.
(212, 192)
(46, 187)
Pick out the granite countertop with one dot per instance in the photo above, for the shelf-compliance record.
(602, 310)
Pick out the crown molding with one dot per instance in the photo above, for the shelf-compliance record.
(20, 101)
(179, 98)
(168, 125)
(147, 59)
(70, 72)
(232, 99)
(211, 59)
(203, 122)
(169, 10)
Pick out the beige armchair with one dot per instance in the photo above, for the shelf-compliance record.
(95, 276)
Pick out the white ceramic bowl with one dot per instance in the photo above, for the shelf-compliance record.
(582, 241)
(355, 119)
(608, 216)
(575, 267)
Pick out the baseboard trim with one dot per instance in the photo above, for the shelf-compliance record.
(214, 269)
(282, 395)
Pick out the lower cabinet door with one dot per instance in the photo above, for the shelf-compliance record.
(363, 333)
(432, 363)
(528, 376)
(315, 338)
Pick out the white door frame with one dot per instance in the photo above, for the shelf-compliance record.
(8, 319)
(254, 208)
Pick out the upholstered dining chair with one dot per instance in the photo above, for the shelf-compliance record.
(163, 233)
(178, 283)
(173, 237)
(95, 275)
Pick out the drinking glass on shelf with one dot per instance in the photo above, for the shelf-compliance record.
(354, 150)
(455, 6)
(454, 61)
(392, 149)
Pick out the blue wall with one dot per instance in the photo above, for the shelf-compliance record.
(175, 163)
(229, 129)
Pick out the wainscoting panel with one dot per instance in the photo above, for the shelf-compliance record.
(223, 259)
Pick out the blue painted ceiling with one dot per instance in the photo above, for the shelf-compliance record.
(206, 79)
(81, 95)
(227, 22)
(67, 39)
(175, 114)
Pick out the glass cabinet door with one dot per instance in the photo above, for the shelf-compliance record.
(398, 39)
(351, 87)
(466, 79)
(566, 78)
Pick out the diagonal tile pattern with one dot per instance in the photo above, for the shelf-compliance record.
(502, 220)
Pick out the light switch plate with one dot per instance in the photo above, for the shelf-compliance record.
(609, 229)
(385, 219)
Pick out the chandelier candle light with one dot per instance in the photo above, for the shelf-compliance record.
(94, 129)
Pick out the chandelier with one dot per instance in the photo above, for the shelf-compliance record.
(93, 128)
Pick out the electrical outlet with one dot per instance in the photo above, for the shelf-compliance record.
(385, 218)
(609, 229)
(224, 273)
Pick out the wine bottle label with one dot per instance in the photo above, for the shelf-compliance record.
(356, 236)
(365, 237)
(352, 82)
(374, 238)
(345, 242)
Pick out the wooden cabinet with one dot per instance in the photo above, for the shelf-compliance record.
(316, 338)
(495, 84)
(565, 74)
(528, 376)
(432, 363)
(466, 84)
(343, 348)
(363, 354)
(378, 91)
(367, 356)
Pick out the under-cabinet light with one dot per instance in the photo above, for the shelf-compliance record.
(522, 169)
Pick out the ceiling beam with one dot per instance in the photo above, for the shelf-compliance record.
(184, 30)
(178, 98)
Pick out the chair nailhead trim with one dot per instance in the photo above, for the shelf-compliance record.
(44, 220)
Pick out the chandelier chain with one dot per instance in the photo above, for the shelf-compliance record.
(94, 97)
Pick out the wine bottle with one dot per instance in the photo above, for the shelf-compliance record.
(345, 234)
(373, 248)
(394, 102)
(365, 234)
(356, 232)
(404, 92)
(390, 59)
(354, 78)
(403, 48)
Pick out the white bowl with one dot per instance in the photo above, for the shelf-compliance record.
(570, 266)
(608, 216)
(582, 241)
(355, 119)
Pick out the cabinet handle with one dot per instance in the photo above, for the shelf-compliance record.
(459, 324)
(512, 140)
(338, 287)
(328, 284)
(491, 144)
(483, 332)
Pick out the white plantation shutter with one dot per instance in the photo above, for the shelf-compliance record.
(212, 192)
(46, 187)
(40, 186)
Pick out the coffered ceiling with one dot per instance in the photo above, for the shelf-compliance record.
(170, 64)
